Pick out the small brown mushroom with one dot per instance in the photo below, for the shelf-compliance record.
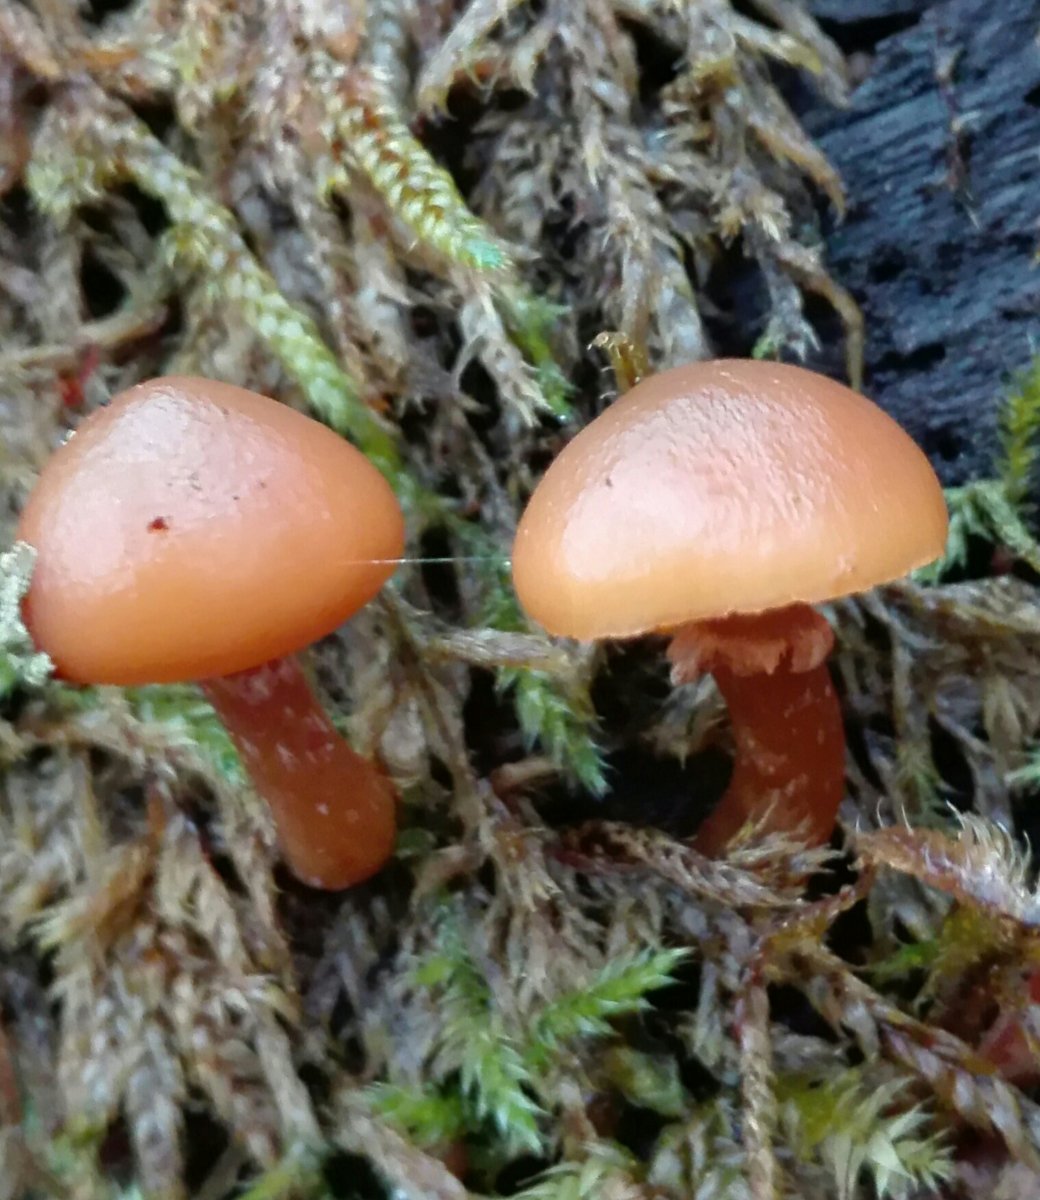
(196, 531)
(716, 502)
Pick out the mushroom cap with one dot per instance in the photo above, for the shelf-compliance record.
(193, 529)
(723, 487)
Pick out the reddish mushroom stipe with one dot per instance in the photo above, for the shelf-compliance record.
(796, 638)
(344, 829)
(789, 767)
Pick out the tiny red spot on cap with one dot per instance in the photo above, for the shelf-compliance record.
(158, 525)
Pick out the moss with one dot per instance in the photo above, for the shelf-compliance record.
(413, 219)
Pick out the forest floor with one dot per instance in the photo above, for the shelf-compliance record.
(412, 219)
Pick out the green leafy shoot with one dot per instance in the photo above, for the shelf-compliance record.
(914, 956)
(495, 1080)
(1020, 436)
(620, 989)
(187, 716)
(20, 661)
(981, 511)
(996, 510)
(204, 235)
(587, 1179)
(430, 1118)
(530, 320)
(855, 1129)
(296, 1177)
(186, 720)
(561, 720)
(553, 713)
(421, 193)
(1028, 775)
(501, 1073)
(650, 1081)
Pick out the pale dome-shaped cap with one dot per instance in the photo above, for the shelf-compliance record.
(193, 529)
(723, 487)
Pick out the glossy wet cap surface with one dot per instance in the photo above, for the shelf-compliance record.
(723, 487)
(193, 529)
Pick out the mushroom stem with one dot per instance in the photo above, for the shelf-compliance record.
(334, 810)
(789, 769)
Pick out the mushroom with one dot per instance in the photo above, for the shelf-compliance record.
(196, 531)
(716, 502)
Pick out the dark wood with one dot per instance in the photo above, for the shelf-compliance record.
(940, 153)
(865, 19)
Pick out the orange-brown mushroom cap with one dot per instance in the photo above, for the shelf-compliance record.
(723, 487)
(194, 529)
